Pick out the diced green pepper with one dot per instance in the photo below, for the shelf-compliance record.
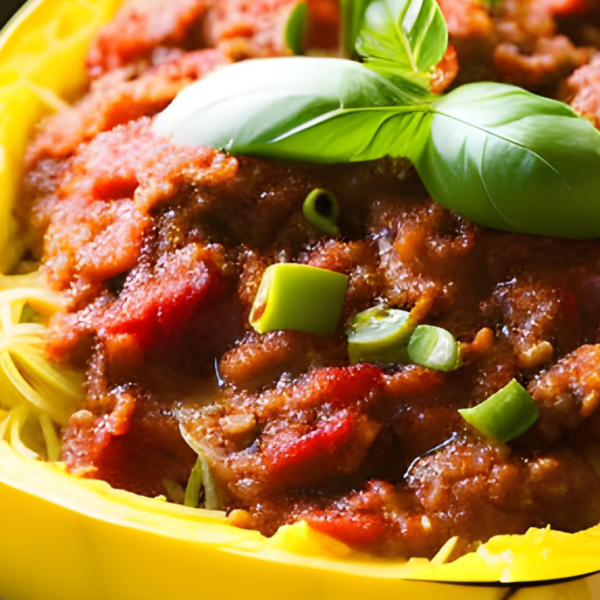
(505, 415)
(299, 298)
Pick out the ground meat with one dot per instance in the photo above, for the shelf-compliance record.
(161, 248)
(118, 98)
(445, 72)
(551, 60)
(142, 26)
(584, 91)
(145, 32)
(256, 28)
(288, 399)
(243, 28)
(380, 517)
(259, 360)
(466, 19)
(104, 240)
(97, 214)
(460, 488)
(537, 318)
(504, 493)
(130, 440)
(516, 41)
(568, 393)
(302, 434)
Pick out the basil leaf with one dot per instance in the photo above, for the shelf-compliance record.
(403, 38)
(498, 155)
(508, 159)
(295, 28)
(299, 108)
(352, 14)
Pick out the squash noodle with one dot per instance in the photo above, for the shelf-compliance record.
(42, 57)
(37, 397)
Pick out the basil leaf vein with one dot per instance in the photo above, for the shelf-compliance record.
(299, 108)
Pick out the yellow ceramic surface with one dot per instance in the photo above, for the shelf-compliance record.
(66, 539)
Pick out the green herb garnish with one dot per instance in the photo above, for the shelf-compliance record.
(403, 40)
(321, 210)
(379, 335)
(494, 153)
(505, 415)
(294, 297)
(434, 348)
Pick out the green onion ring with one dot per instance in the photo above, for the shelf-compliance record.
(322, 210)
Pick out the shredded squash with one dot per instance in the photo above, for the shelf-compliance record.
(68, 539)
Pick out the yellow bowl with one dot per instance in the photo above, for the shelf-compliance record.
(68, 539)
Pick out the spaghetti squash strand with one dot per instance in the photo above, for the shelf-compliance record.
(4, 422)
(65, 383)
(50, 437)
(18, 418)
(33, 391)
(44, 301)
(58, 414)
(6, 316)
(9, 396)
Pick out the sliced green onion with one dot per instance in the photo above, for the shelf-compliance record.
(194, 486)
(434, 348)
(379, 335)
(295, 28)
(299, 298)
(321, 209)
(505, 415)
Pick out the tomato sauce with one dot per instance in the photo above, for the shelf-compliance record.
(160, 250)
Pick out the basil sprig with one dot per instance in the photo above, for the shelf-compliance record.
(403, 40)
(496, 154)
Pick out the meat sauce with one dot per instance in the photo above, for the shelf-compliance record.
(160, 250)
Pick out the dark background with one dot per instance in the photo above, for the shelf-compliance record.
(8, 8)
